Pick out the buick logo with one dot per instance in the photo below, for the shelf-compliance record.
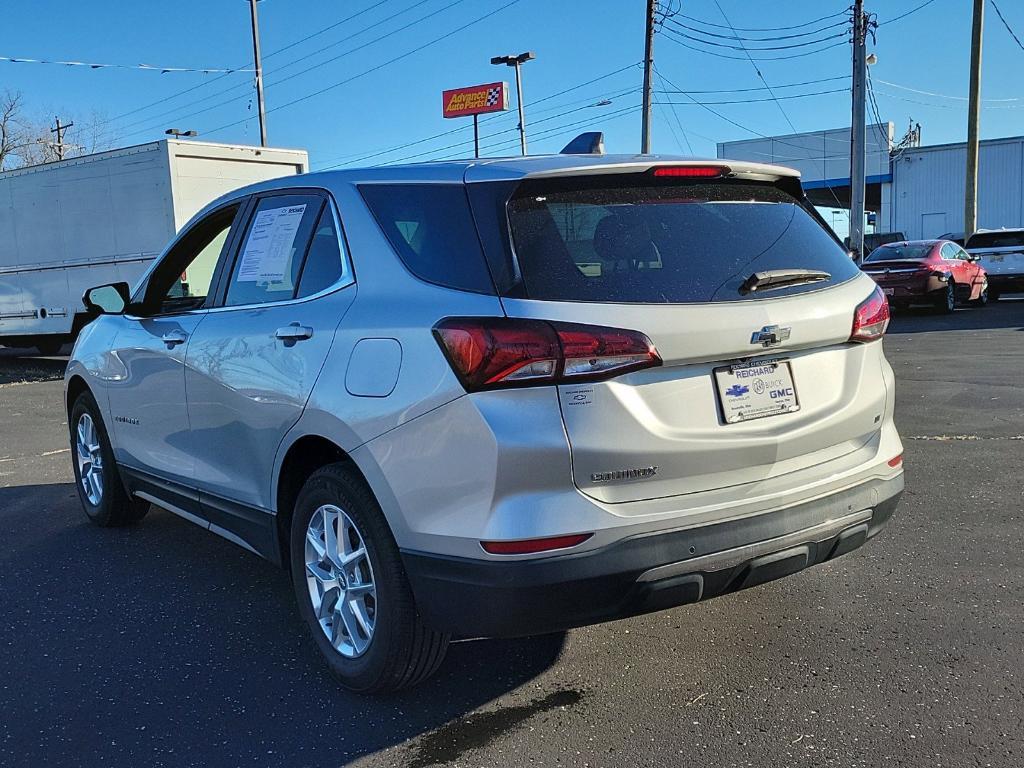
(770, 335)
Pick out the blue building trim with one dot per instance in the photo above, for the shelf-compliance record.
(825, 183)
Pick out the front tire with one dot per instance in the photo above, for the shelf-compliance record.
(103, 495)
(352, 590)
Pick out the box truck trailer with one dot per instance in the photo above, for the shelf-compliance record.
(73, 224)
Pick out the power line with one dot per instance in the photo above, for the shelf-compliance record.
(776, 38)
(1006, 24)
(939, 95)
(392, 60)
(761, 29)
(677, 41)
(275, 83)
(904, 15)
(742, 47)
(145, 67)
(774, 98)
(220, 77)
(762, 88)
(679, 122)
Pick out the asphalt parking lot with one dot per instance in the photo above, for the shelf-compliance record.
(162, 645)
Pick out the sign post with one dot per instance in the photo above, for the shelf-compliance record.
(475, 100)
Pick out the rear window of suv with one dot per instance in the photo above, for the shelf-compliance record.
(996, 240)
(642, 240)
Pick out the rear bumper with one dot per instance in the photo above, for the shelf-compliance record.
(641, 574)
(913, 289)
(1006, 283)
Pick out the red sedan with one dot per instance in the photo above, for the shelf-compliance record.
(935, 272)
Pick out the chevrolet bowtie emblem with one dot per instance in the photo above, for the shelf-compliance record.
(770, 335)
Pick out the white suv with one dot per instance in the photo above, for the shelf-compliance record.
(497, 397)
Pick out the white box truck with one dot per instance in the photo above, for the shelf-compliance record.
(102, 218)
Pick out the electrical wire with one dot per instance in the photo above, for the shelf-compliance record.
(757, 58)
(1007, 25)
(761, 29)
(941, 95)
(679, 122)
(145, 67)
(220, 77)
(776, 38)
(770, 98)
(904, 15)
(380, 66)
(275, 83)
(742, 47)
(762, 88)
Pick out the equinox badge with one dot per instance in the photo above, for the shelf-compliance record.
(770, 335)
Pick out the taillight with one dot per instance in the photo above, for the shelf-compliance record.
(497, 352)
(871, 317)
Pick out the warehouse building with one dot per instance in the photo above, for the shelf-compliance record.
(911, 189)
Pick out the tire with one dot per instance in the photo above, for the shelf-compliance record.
(106, 502)
(983, 296)
(993, 294)
(946, 303)
(49, 348)
(398, 651)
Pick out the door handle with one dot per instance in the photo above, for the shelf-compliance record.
(174, 338)
(293, 333)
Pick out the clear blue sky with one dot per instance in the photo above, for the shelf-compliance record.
(575, 41)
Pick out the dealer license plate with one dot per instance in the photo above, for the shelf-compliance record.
(755, 390)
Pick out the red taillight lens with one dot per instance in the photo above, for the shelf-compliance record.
(895, 461)
(871, 317)
(495, 352)
(533, 546)
(691, 171)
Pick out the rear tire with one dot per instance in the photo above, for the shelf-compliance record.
(359, 609)
(103, 495)
(49, 348)
(946, 303)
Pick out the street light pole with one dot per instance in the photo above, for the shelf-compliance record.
(257, 62)
(517, 61)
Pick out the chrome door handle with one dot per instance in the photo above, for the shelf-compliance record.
(294, 332)
(174, 338)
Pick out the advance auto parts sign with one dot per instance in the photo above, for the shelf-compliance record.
(475, 100)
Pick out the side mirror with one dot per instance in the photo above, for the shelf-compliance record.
(109, 299)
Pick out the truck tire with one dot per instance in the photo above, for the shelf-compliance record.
(49, 347)
(352, 590)
(103, 495)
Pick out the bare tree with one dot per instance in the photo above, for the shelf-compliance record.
(25, 141)
(12, 132)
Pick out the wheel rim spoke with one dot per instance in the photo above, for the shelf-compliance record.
(89, 457)
(339, 576)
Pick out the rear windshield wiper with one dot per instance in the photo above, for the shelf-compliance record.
(782, 278)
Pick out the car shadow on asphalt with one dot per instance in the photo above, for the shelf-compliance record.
(1005, 313)
(163, 644)
(17, 368)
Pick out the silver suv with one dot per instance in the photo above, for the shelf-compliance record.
(497, 397)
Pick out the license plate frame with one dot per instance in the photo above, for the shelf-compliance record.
(746, 390)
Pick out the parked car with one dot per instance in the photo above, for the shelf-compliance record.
(875, 239)
(935, 272)
(497, 397)
(1001, 252)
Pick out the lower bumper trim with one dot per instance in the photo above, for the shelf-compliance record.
(641, 574)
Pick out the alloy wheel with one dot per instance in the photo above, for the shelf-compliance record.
(90, 459)
(340, 580)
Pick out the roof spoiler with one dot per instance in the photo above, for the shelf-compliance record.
(590, 143)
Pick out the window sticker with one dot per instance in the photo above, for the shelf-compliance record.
(269, 247)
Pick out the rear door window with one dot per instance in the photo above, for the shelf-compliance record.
(431, 228)
(646, 241)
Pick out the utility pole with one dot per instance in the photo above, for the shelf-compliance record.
(973, 119)
(59, 130)
(645, 126)
(857, 132)
(258, 64)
